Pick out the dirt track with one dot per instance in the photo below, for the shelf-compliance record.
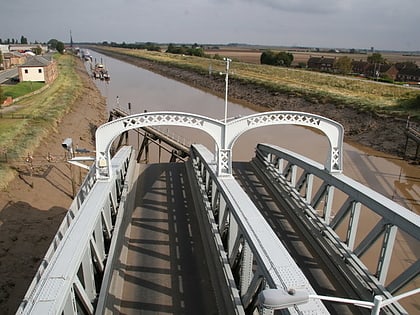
(382, 133)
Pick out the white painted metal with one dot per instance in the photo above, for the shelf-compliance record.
(80, 248)
(251, 244)
(393, 217)
(224, 134)
(241, 238)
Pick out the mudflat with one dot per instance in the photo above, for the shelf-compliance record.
(33, 206)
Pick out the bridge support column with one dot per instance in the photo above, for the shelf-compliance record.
(224, 162)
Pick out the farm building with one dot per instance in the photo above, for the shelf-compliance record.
(409, 75)
(321, 63)
(11, 59)
(38, 68)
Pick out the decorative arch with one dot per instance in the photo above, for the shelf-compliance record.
(332, 129)
(108, 132)
(224, 134)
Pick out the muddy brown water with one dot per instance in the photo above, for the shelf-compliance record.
(136, 90)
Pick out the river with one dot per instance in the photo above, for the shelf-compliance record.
(135, 90)
(386, 174)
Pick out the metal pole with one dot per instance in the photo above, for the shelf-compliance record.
(226, 85)
(377, 300)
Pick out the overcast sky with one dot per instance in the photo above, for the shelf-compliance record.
(382, 24)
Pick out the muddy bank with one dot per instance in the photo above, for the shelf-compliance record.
(382, 133)
(34, 204)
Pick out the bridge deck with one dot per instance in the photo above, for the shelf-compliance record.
(161, 266)
(325, 277)
(161, 263)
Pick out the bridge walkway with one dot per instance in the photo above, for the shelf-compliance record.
(161, 263)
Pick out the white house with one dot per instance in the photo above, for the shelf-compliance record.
(4, 48)
(39, 69)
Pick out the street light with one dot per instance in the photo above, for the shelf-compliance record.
(228, 61)
(277, 299)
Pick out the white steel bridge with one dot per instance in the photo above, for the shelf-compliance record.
(214, 236)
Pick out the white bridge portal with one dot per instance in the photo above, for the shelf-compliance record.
(223, 134)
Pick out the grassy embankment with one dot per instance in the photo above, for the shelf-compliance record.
(317, 87)
(36, 116)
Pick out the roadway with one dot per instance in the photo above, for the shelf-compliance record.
(8, 74)
(161, 263)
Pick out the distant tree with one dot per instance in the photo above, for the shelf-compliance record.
(376, 58)
(285, 58)
(37, 50)
(268, 58)
(343, 65)
(60, 47)
(282, 58)
(195, 50)
(23, 40)
(52, 43)
(217, 57)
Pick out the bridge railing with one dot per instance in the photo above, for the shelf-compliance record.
(73, 210)
(70, 276)
(244, 252)
(334, 206)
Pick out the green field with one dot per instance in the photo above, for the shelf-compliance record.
(363, 94)
(37, 116)
(21, 89)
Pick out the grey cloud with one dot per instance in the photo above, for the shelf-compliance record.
(303, 6)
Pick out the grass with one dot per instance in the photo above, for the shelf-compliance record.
(21, 89)
(362, 94)
(43, 112)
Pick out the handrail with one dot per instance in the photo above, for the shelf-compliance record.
(253, 252)
(59, 287)
(329, 202)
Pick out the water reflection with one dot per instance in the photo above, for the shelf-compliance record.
(145, 90)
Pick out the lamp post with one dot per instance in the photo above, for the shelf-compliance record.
(226, 84)
(277, 299)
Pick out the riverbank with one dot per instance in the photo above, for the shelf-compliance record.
(380, 132)
(35, 202)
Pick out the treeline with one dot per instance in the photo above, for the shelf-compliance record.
(194, 50)
(147, 46)
(8, 41)
(272, 58)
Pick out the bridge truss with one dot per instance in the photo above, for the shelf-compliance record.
(244, 252)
